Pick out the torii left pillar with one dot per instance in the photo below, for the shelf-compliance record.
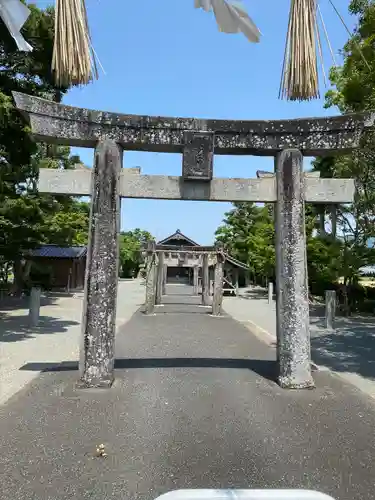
(291, 273)
(159, 279)
(97, 355)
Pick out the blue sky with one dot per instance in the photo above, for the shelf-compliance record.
(163, 57)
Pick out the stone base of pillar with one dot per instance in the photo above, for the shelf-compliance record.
(290, 383)
(95, 384)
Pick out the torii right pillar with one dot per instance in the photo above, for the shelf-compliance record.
(293, 330)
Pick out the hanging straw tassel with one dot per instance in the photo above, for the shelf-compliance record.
(73, 60)
(299, 81)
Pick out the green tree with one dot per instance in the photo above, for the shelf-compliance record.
(69, 226)
(337, 240)
(354, 90)
(247, 233)
(131, 244)
(354, 81)
(26, 218)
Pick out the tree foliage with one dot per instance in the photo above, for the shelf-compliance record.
(28, 219)
(339, 239)
(354, 91)
(247, 233)
(354, 81)
(131, 244)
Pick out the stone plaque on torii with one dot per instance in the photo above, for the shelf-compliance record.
(198, 140)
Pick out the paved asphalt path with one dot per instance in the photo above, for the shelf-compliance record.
(193, 406)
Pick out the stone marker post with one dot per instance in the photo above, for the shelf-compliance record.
(293, 305)
(330, 311)
(34, 306)
(217, 299)
(150, 278)
(236, 287)
(247, 279)
(205, 280)
(97, 356)
(195, 279)
(160, 278)
(165, 275)
(270, 292)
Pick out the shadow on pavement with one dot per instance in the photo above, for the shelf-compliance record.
(16, 328)
(349, 348)
(181, 303)
(159, 311)
(264, 368)
(317, 311)
(14, 303)
(255, 294)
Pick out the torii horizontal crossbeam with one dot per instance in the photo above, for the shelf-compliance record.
(185, 250)
(57, 123)
(162, 187)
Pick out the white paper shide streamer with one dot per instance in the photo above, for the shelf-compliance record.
(231, 17)
(14, 15)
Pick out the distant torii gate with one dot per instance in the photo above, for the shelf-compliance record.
(197, 140)
(158, 258)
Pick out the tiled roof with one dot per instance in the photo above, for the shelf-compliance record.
(178, 236)
(55, 252)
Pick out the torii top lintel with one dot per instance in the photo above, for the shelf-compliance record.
(60, 124)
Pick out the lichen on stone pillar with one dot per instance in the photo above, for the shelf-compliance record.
(294, 358)
(97, 356)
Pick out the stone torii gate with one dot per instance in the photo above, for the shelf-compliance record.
(198, 140)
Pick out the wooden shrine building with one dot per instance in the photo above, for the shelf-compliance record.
(181, 271)
(65, 265)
